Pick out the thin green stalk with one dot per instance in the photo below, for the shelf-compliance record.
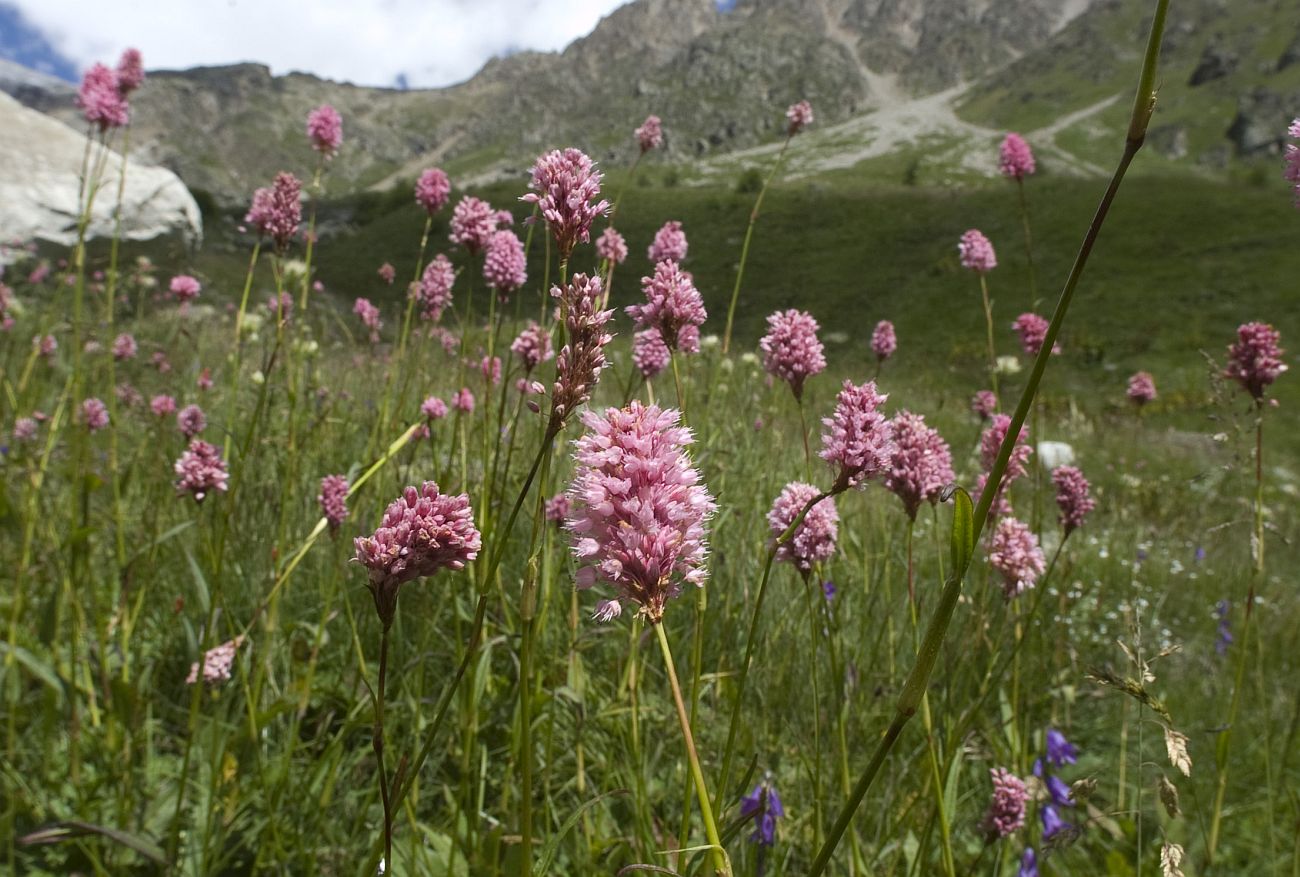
(377, 741)
(1029, 243)
(697, 660)
(988, 319)
(813, 636)
(744, 249)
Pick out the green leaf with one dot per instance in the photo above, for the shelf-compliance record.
(200, 582)
(61, 831)
(962, 543)
(36, 667)
(951, 783)
(553, 845)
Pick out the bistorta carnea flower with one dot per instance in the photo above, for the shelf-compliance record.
(433, 292)
(1072, 497)
(422, 532)
(463, 401)
(433, 408)
(473, 221)
(1014, 553)
(94, 414)
(883, 340)
(650, 354)
(672, 304)
(920, 466)
(556, 509)
(46, 345)
(639, 508)
(669, 244)
(200, 470)
(1255, 359)
(582, 359)
(184, 287)
(651, 134)
(976, 252)
(433, 190)
(611, 247)
(1141, 388)
(533, 346)
(1015, 158)
(566, 187)
(162, 405)
(1006, 813)
(333, 499)
(217, 662)
(1032, 330)
(791, 349)
(24, 429)
(130, 71)
(984, 404)
(191, 421)
(856, 441)
(490, 366)
(369, 316)
(276, 211)
(814, 541)
(799, 116)
(101, 99)
(504, 267)
(387, 273)
(991, 442)
(124, 347)
(325, 130)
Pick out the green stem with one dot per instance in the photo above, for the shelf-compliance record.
(988, 319)
(744, 249)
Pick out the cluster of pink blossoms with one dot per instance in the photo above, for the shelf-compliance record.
(103, 93)
(369, 316)
(856, 441)
(1015, 555)
(325, 130)
(162, 405)
(184, 287)
(433, 190)
(333, 499)
(276, 212)
(639, 508)
(200, 470)
(984, 404)
(490, 366)
(24, 429)
(921, 464)
(387, 273)
(556, 509)
(650, 354)
(1006, 813)
(976, 252)
(504, 267)
(883, 340)
(1255, 359)
(651, 134)
(566, 187)
(191, 421)
(1291, 157)
(217, 662)
(582, 359)
(673, 305)
(94, 414)
(473, 222)
(1016, 159)
(791, 349)
(1032, 330)
(611, 247)
(991, 442)
(422, 532)
(1072, 497)
(463, 401)
(1141, 388)
(798, 117)
(814, 541)
(669, 244)
(124, 347)
(46, 345)
(532, 346)
(433, 409)
(433, 292)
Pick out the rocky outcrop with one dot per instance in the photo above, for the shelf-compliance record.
(1261, 121)
(40, 166)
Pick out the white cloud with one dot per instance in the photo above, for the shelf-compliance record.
(368, 42)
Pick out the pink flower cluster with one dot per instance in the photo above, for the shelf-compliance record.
(102, 101)
(921, 464)
(433, 190)
(1255, 359)
(1142, 388)
(580, 362)
(556, 509)
(504, 267)
(651, 134)
(191, 421)
(1291, 157)
(856, 441)
(94, 414)
(1006, 813)
(200, 470)
(814, 541)
(1016, 159)
(24, 429)
(333, 499)
(565, 187)
(976, 252)
(1032, 330)
(799, 116)
(669, 244)
(533, 346)
(473, 222)
(1015, 555)
(217, 662)
(650, 354)
(984, 404)
(1072, 497)
(124, 347)
(422, 532)
(276, 212)
(46, 345)
(433, 292)
(387, 273)
(611, 247)
(463, 401)
(130, 71)
(791, 349)
(325, 130)
(883, 340)
(162, 405)
(639, 508)
(433, 409)
(673, 305)
(991, 442)
(184, 287)
(490, 366)
(369, 316)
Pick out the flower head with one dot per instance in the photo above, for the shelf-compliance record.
(1016, 159)
(200, 470)
(276, 212)
(94, 414)
(130, 71)
(672, 304)
(369, 316)
(504, 267)
(611, 247)
(463, 401)
(184, 287)
(1060, 751)
(325, 130)
(1014, 553)
(490, 366)
(422, 532)
(387, 273)
(46, 345)
(162, 405)
(984, 404)
(991, 442)
(791, 349)
(977, 252)
(533, 346)
(856, 441)
(580, 362)
(650, 354)
(1052, 821)
(650, 135)
(1072, 497)
(433, 408)
(191, 421)
(814, 541)
(473, 222)
(1059, 790)
(921, 464)
(669, 244)
(639, 507)
(124, 347)
(333, 499)
(101, 99)
(763, 805)
(1221, 611)
(24, 429)
(433, 190)
(433, 292)
(1028, 864)
(217, 662)
(556, 509)
(1032, 330)
(565, 187)
(1006, 813)
(883, 340)
(1255, 360)
(799, 116)
(1141, 388)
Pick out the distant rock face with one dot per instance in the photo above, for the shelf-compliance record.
(40, 164)
(1216, 62)
(1261, 121)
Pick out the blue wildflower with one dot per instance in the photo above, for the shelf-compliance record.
(763, 805)
(1225, 632)
(1052, 821)
(1028, 864)
(1059, 750)
(1060, 791)
(828, 590)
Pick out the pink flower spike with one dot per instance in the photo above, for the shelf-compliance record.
(791, 349)
(799, 116)
(1015, 159)
(984, 404)
(130, 72)
(669, 244)
(191, 421)
(124, 347)
(200, 470)
(1141, 388)
(1015, 555)
(434, 291)
(101, 99)
(1072, 497)
(368, 313)
(814, 541)
(333, 499)
(217, 663)
(580, 362)
(650, 135)
(1006, 813)
(463, 401)
(325, 130)
(433, 409)
(991, 442)
(94, 414)
(162, 405)
(977, 252)
(184, 287)
(433, 190)
(650, 354)
(504, 267)
(856, 441)
(565, 187)
(1032, 330)
(883, 340)
(672, 304)
(387, 273)
(473, 222)
(276, 212)
(921, 464)
(1255, 359)
(533, 347)
(611, 247)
